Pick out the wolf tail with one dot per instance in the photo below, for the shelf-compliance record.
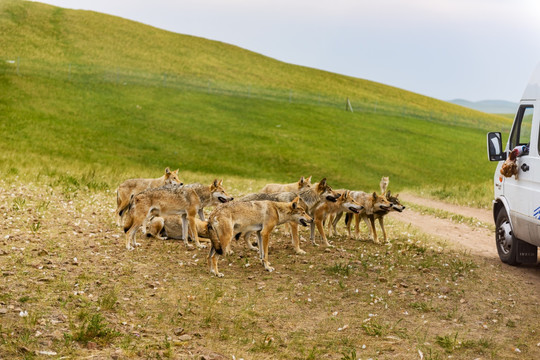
(128, 222)
(214, 239)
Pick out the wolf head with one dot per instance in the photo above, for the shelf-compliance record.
(219, 193)
(304, 183)
(380, 203)
(396, 204)
(171, 177)
(298, 213)
(326, 192)
(347, 203)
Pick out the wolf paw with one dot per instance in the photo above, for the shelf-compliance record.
(218, 274)
(136, 244)
(269, 268)
(201, 246)
(300, 252)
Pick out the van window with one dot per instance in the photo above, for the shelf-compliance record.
(521, 134)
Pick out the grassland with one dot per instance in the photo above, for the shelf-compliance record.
(89, 95)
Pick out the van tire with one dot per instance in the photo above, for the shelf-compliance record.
(505, 240)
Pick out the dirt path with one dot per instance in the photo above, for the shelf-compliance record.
(478, 240)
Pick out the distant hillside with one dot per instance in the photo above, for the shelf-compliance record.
(90, 98)
(488, 106)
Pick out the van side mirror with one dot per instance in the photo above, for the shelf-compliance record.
(494, 147)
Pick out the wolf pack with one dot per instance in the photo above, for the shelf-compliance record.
(166, 208)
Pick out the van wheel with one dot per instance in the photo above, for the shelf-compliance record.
(505, 240)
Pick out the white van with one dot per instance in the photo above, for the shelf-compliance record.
(516, 207)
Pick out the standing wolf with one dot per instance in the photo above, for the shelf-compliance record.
(294, 187)
(210, 195)
(279, 197)
(236, 218)
(166, 200)
(135, 186)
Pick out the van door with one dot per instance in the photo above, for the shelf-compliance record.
(523, 193)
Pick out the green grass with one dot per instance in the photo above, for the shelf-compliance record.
(95, 99)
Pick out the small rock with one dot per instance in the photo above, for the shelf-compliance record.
(3, 311)
(91, 345)
(185, 337)
(178, 331)
(42, 252)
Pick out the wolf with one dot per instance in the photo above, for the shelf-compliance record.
(345, 202)
(383, 184)
(135, 186)
(294, 187)
(372, 204)
(167, 200)
(236, 218)
(315, 196)
(211, 195)
(279, 197)
(380, 214)
(170, 227)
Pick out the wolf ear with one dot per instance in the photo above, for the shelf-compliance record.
(308, 180)
(176, 171)
(220, 182)
(215, 183)
(294, 203)
(167, 170)
(374, 195)
(301, 181)
(388, 194)
(322, 183)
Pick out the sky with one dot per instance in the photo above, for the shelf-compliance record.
(446, 49)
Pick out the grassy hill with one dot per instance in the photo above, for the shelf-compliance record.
(98, 99)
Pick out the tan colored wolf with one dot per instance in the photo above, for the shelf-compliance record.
(315, 196)
(236, 218)
(379, 215)
(279, 197)
(372, 204)
(294, 187)
(135, 186)
(345, 202)
(210, 195)
(168, 200)
(170, 227)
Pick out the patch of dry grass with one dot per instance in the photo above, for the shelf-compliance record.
(69, 288)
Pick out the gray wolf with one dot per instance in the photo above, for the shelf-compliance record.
(166, 200)
(211, 195)
(135, 186)
(231, 220)
(294, 187)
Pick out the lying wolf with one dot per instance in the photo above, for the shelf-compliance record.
(135, 186)
(233, 219)
(170, 227)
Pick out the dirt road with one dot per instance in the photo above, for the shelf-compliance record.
(479, 240)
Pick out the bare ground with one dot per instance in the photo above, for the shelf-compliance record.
(69, 289)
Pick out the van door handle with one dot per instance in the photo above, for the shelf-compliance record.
(525, 167)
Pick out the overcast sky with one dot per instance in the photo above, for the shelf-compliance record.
(446, 49)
